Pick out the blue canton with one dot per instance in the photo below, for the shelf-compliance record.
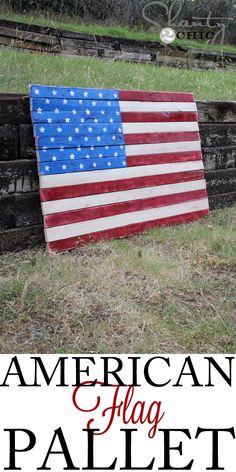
(77, 129)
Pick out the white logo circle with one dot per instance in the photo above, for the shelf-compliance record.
(167, 35)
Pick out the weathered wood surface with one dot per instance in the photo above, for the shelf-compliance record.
(19, 210)
(51, 40)
(19, 176)
(221, 181)
(15, 109)
(28, 237)
(20, 213)
(222, 200)
(21, 238)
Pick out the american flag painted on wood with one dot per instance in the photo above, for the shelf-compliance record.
(113, 163)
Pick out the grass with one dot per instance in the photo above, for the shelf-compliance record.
(75, 24)
(168, 290)
(18, 69)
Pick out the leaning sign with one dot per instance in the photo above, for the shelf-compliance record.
(113, 163)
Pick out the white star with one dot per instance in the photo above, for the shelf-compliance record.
(102, 112)
(72, 93)
(94, 164)
(106, 147)
(65, 101)
(70, 138)
(92, 148)
(98, 138)
(67, 120)
(115, 154)
(109, 104)
(52, 140)
(118, 113)
(72, 156)
(44, 149)
(121, 147)
(120, 130)
(115, 95)
(82, 120)
(59, 130)
(74, 112)
(54, 158)
(109, 163)
(94, 103)
(39, 111)
(61, 148)
(37, 91)
(87, 156)
(49, 120)
(78, 148)
(114, 137)
(124, 163)
(77, 130)
(64, 167)
(104, 129)
(47, 101)
(111, 120)
(85, 94)
(47, 168)
(87, 112)
(96, 120)
(80, 102)
(86, 138)
(100, 95)
(56, 110)
(42, 130)
(100, 155)
(90, 129)
(54, 92)
(81, 166)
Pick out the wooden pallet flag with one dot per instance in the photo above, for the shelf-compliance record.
(113, 163)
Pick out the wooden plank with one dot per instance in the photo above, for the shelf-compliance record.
(218, 135)
(217, 111)
(7, 212)
(28, 36)
(222, 181)
(26, 142)
(20, 210)
(21, 238)
(222, 200)
(8, 142)
(29, 45)
(18, 176)
(27, 209)
(14, 109)
(219, 158)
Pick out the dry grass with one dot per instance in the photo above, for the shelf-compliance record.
(169, 290)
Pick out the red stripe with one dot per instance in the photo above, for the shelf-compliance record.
(150, 159)
(72, 243)
(152, 138)
(142, 96)
(93, 213)
(147, 117)
(72, 191)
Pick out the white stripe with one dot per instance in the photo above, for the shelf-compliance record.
(77, 178)
(126, 106)
(116, 221)
(162, 148)
(136, 128)
(70, 204)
